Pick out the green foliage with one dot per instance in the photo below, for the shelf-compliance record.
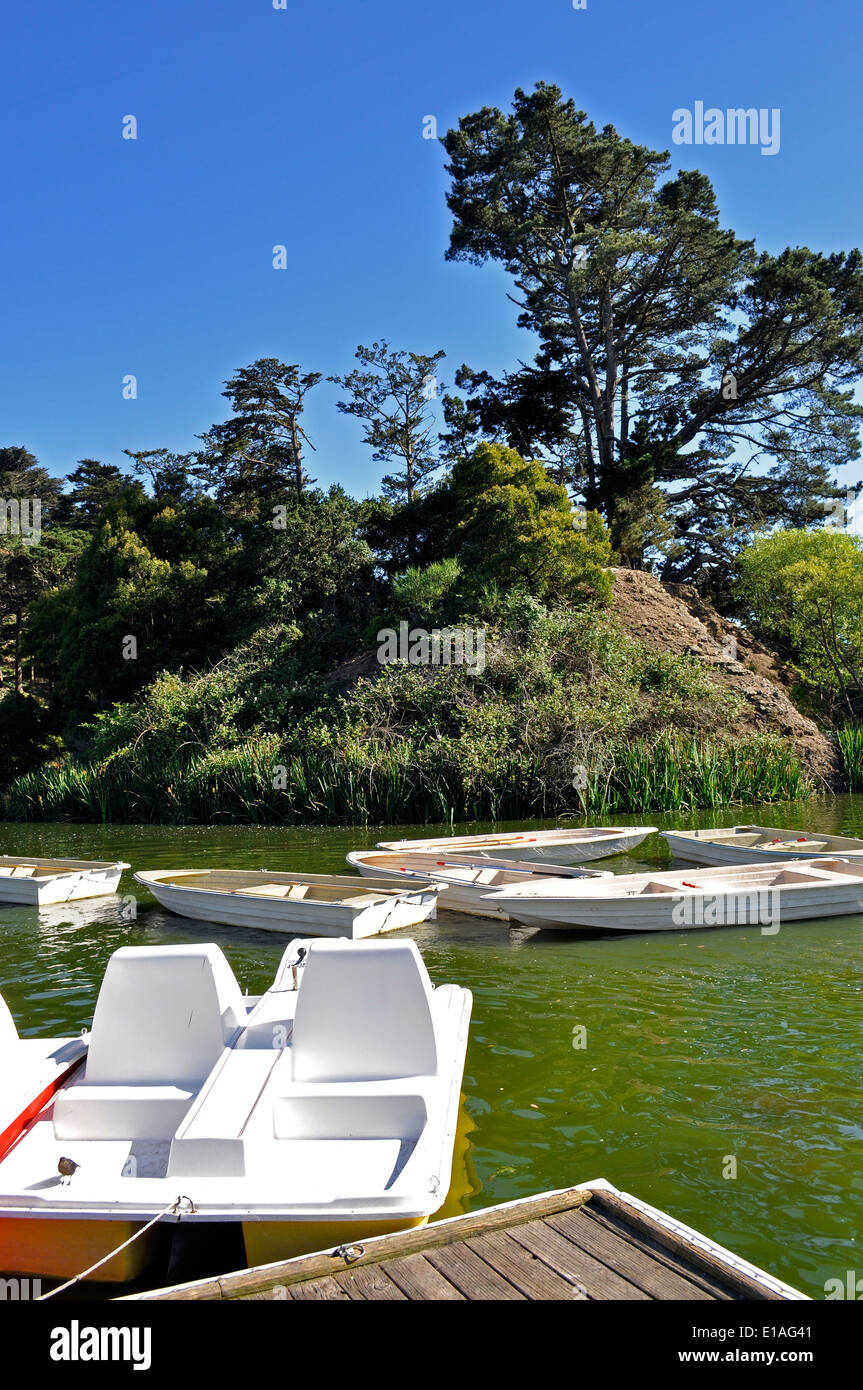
(420, 593)
(805, 590)
(570, 715)
(391, 393)
(851, 747)
(26, 737)
(514, 526)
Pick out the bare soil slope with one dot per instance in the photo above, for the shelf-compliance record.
(675, 618)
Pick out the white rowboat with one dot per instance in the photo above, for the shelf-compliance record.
(765, 895)
(547, 846)
(35, 882)
(301, 904)
(748, 844)
(466, 879)
(324, 1112)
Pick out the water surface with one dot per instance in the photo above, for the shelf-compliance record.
(706, 1052)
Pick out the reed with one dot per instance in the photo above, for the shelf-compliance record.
(851, 747)
(383, 783)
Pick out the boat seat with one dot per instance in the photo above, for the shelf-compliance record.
(266, 890)
(120, 1112)
(364, 1013)
(801, 845)
(163, 1017)
(329, 1116)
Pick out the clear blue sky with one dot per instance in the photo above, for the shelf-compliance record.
(303, 126)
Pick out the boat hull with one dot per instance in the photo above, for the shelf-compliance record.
(63, 1248)
(531, 849)
(744, 909)
(460, 894)
(692, 851)
(66, 887)
(297, 918)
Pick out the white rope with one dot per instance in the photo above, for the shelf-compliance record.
(172, 1206)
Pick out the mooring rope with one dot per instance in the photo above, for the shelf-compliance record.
(171, 1207)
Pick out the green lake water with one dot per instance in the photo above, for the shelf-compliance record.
(701, 1046)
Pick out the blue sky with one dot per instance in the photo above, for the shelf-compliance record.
(303, 126)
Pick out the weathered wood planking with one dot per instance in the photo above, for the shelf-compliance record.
(572, 1245)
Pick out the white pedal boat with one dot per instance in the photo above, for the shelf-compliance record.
(35, 882)
(547, 846)
(302, 904)
(321, 1113)
(747, 844)
(465, 879)
(765, 895)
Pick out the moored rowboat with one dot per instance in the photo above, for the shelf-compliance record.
(749, 844)
(323, 1112)
(573, 846)
(302, 904)
(41, 881)
(466, 879)
(765, 895)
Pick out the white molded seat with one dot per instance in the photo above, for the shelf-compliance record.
(364, 1013)
(163, 1016)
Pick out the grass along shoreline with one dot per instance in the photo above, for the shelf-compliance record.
(405, 783)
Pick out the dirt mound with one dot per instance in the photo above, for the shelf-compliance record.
(675, 618)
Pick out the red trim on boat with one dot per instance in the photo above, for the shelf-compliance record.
(14, 1131)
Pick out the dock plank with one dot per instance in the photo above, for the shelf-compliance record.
(318, 1290)
(618, 1254)
(598, 1281)
(470, 1274)
(574, 1244)
(713, 1286)
(535, 1279)
(418, 1279)
(370, 1283)
(657, 1238)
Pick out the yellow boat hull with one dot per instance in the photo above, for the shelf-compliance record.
(269, 1241)
(62, 1249)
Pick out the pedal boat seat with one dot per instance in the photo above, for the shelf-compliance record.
(163, 1018)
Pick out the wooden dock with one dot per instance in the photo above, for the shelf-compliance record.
(583, 1243)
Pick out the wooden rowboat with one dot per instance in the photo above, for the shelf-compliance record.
(302, 904)
(749, 844)
(548, 846)
(41, 881)
(466, 879)
(765, 895)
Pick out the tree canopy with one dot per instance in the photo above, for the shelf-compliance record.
(675, 360)
(804, 589)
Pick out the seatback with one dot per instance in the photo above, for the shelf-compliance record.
(163, 1015)
(364, 1012)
